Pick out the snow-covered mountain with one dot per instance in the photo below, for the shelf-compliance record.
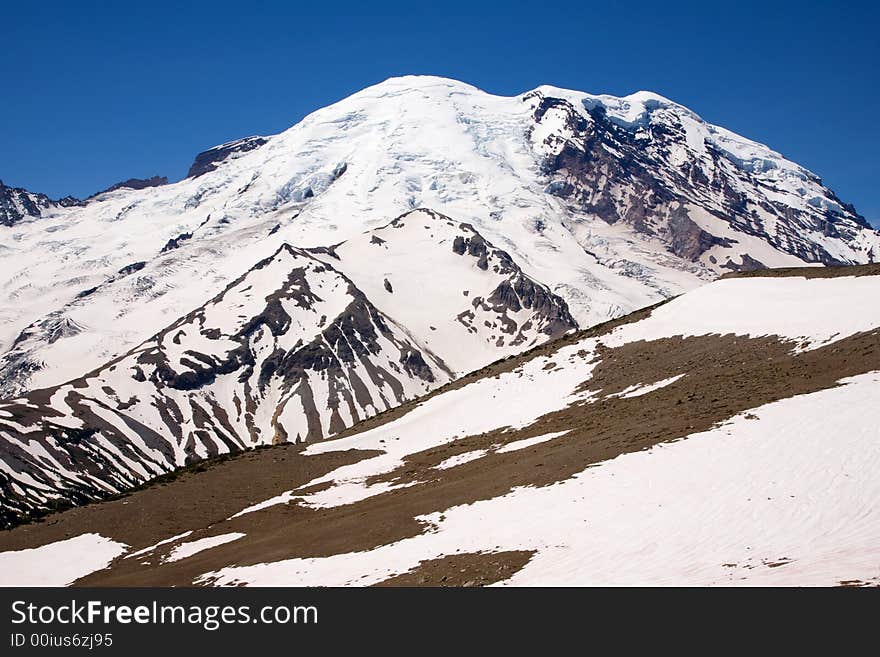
(726, 437)
(517, 219)
(293, 350)
(468, 301)
(18, 204)
(614, 203)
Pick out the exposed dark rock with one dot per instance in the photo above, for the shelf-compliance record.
(414, 363)
(688, 240)
(748, 264)
(623, 173)
(17, 203)
(212, 158)
(548, 310)
(132, 268)
(560, 188)
(829, 230)
(325, 250)
(87, 292)
(174, 242)
(476, 246)
(57, 328)
(135, 183)
(512, 295)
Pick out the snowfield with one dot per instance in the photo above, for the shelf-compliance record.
(60, 563)
(837, 309)
(783, 494)
(805, 311)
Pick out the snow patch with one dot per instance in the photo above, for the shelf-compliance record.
(185, 550)
(60, 563)
(458, 459)
(529, 442)
(643, 389)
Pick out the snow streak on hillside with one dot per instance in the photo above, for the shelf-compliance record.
(293, 350)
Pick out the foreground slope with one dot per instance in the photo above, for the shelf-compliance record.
(729, 436)
(613, 203)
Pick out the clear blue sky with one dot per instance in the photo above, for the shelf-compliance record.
(92, 95)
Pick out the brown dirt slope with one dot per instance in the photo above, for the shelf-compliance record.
(471, 569)
(809, 272)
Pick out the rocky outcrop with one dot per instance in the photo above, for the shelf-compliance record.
(212, 158)
(687, 240)
(645, 173)
(17, 203)
(748, 264)
(548, 313)
(136, 183)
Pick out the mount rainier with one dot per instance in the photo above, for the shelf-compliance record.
(295, 284)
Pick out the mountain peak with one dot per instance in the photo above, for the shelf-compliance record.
(416, 81)
(610, 210)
